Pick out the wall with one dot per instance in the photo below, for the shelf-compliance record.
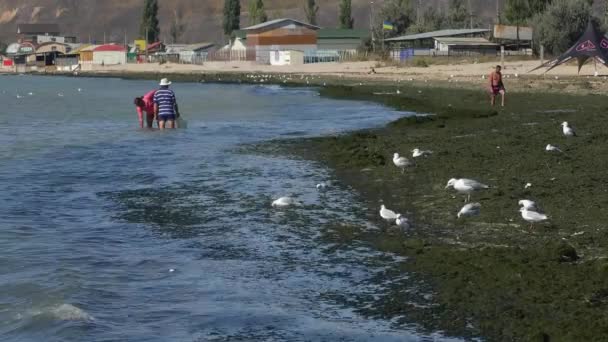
(109, 57)
(339, 44)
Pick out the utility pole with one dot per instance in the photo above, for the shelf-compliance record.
(371, 25)
(498, 12)
(104, 37)
(470, 15)
(419, 12)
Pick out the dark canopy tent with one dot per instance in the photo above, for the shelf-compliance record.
(592, 44)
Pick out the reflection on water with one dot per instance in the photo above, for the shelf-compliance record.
(110, 233)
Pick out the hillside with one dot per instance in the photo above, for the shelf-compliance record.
(91, 18)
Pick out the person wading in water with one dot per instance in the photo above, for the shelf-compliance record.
(143, 105)
(496, 86)
(165, 106)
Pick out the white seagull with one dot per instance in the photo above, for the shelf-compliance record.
(532, 216)
(284, 202)
(401, 162)
(323, 186)
(420, 153)
(387, 214)
(466, 186)
(568, 130)
(402, 221)
(470, 209)
(528, 205)
(551, 148)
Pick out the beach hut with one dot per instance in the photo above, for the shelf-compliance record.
(47, 53)
(280, 35)
(109, 54)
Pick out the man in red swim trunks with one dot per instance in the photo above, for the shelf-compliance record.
(145, 104)
(496, 85)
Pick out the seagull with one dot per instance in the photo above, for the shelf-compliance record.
(532, 216)
(419, 153)
(401, 162)
(80, 90)
(19, 96)
(466, 186)
(552, 148)
(387, 214)
(30, 93)
(284, 202)
(60, 94)
(568, 130)
(528, 205)
(323, 186)
(470, 209)
(402, 221)
(528, 185)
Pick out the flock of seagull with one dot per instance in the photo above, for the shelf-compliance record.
(19, 96)
(530, 211)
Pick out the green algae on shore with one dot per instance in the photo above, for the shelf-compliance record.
(494, 277)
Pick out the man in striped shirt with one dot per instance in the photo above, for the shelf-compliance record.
(165, 106)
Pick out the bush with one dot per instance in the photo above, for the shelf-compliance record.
(421, 63)
(561, 24)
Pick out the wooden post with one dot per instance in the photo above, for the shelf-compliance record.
(542, 55)
(502, 56)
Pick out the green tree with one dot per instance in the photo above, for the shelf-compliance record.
(561, 24)
(538, 6)
(311, 9)
(346, 16)
(517, 12)
(399, 13)
(257, 13)
(232, 16)
(457, 14)
(149, 22)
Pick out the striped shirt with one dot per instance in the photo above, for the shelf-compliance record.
(165, 99)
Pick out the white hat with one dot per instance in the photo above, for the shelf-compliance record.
(164, 82)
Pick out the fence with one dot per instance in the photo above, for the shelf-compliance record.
(404, 55)
(327, 56)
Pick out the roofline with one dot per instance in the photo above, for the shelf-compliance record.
(277, 21)
(433, 34)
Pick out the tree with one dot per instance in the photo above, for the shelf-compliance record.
(177, 26)
(310, 10)
(257, 13)
(561, 24)
(538, 6)
(517, 12)
(149, 22)
(430, 20)
(232, 16)
(346, 16)
(399, 13)
(457, 14)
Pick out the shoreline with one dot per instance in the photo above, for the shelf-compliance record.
(490, 275)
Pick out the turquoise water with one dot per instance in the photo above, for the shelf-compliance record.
(111, 233)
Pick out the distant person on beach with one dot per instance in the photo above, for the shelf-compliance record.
(165, 106)
(145, 104)
(496, 86)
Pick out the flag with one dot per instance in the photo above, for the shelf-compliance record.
(387, 26)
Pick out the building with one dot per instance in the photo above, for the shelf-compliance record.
(30, 32)
(195, 53)
(459, 46)
(291, 57)
(55, 39)
(280, 35)
(426, 41)
(109, 54)
(47, 53)
(22, 53)
(513, 37)
(341, 39)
